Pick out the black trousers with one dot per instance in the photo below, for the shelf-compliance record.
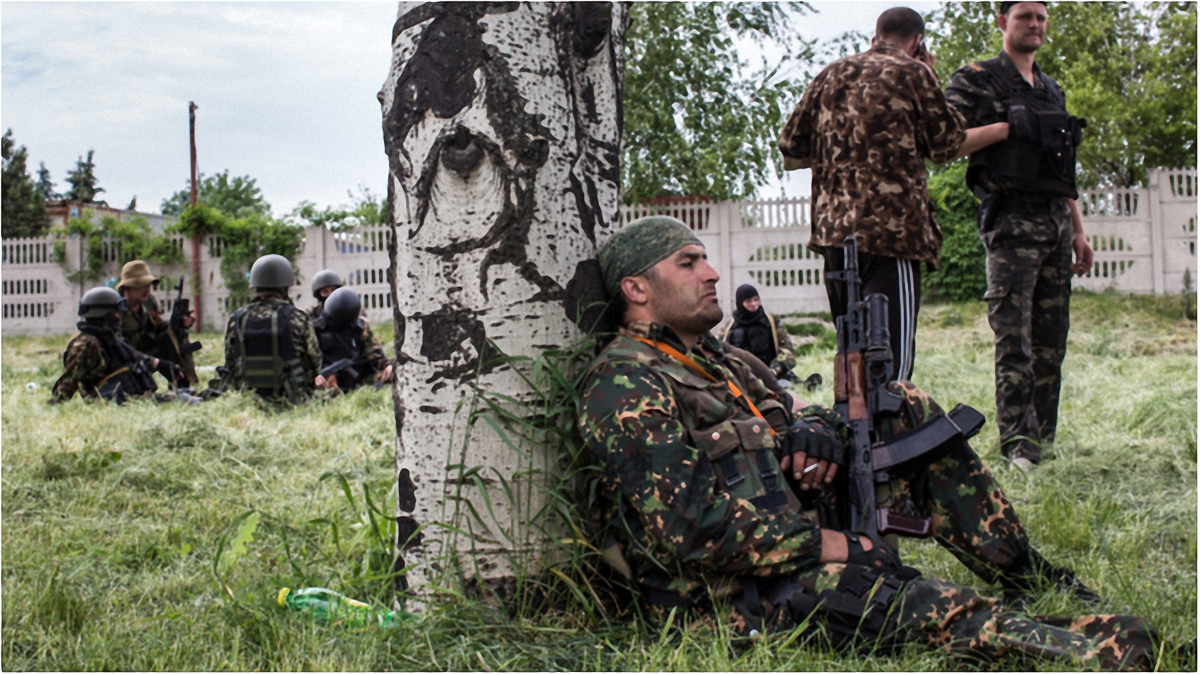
(900, 281)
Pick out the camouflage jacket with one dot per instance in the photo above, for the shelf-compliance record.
(660, 431)
(85, 364)
(300, 329)
(865, 126)
(145, 328)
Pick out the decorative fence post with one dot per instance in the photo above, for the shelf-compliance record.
(502, 129)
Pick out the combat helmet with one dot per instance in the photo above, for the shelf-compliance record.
(272, 271)
(98, 302)
(325, 279)
(341, 308)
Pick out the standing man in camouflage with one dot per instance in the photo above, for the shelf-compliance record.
(694, 452)
(270, 345)
(99, 363)
(865, 126)
(1029, 223)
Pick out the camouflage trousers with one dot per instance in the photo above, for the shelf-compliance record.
(1029, 294)
(957, 619)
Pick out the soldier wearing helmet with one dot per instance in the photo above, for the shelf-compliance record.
(98, 362)
(346, 338)
(324, 283)
(270, 346)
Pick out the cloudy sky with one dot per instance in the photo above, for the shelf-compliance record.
(286, 92)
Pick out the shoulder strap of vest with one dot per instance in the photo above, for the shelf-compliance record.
(695, 367)
(774, 334)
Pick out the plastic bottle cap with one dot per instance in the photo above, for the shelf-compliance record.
(282, 597)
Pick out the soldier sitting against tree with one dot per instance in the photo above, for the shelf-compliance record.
(346, 340)
(704, 474)
(98, 362)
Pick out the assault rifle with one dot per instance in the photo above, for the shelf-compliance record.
(348, 365)
(179, 335)
(861, 370)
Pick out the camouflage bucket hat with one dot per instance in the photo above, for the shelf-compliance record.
(135, 274)
(641, 245)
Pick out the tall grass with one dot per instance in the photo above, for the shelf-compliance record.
(155, 537)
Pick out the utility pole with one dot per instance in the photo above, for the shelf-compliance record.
(195, 236)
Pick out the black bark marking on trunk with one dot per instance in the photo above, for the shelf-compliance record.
(586, 300)
(592, 23)
(407, 532)
(406, 498)
(444, 332)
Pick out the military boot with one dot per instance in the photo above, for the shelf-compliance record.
(1030, 571)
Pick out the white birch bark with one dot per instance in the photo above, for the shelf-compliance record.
(502, 126)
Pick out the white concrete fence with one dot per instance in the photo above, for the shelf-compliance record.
(1145, 239)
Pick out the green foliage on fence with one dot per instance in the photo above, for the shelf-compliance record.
(242, 241)
(131, 239)
(963, 272)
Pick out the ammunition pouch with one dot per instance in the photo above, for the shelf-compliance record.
(1039, 154)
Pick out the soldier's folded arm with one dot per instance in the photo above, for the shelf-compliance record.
(628, 411)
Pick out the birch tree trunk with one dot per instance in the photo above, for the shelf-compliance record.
(502, 125)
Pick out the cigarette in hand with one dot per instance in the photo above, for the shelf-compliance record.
(810, 468)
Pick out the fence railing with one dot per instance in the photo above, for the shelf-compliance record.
(1144, 238)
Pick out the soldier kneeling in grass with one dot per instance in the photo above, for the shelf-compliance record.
(714, 492)
(98, 362)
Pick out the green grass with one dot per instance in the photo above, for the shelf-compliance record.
(121, 524)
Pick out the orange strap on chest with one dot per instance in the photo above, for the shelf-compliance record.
(695, 367)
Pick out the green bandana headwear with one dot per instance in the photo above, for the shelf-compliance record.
(640, 246)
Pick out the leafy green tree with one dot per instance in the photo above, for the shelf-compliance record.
(697, 119)
(83, 181)
(236, 197)
(24, 210)
(1129, 69)
(963, 272)
(246, 238)
(369, 209)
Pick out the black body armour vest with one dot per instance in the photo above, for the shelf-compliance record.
(343, 344)
(127, 373)
(270, 364)
(1038, 158)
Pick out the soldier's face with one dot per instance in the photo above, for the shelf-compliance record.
(136, 295)
(752, 304)
(1024, 26)
(682, 291)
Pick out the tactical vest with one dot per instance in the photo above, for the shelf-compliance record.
(1043, 163)
(127, 375)
(268, 360)
(740, 445)
(342, 344)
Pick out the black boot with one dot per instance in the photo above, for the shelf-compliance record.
(1030, 570)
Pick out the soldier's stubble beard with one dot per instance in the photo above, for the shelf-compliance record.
(684, 307)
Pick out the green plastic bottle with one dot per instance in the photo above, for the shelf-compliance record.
(331, 606)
